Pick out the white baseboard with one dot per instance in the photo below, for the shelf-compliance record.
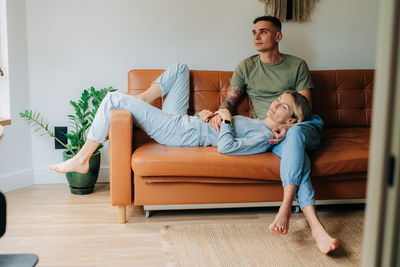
(47, 176)
(21, 178)
(16, 180)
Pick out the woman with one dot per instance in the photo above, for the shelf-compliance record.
(171, 126)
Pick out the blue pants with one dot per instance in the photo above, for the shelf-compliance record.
(295, 163)
(169, 126)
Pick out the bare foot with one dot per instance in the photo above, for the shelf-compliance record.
(281, 223)
(325, 243)
(71, 165)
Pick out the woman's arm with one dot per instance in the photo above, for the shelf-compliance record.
(254, 144)
(227, 144)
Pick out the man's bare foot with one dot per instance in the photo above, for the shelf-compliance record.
(325, 243)
(71, 165)
(281, 223)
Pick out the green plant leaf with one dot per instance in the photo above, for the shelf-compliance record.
(85, 109)
(37, 122)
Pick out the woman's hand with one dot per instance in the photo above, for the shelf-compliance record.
(279, 135)
(225, 114)
(206, 115)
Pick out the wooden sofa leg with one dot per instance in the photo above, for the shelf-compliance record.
(122, 214)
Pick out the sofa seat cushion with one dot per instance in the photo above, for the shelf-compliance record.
(342, 151)
(343, 155)
(153, 159)
(203, 180)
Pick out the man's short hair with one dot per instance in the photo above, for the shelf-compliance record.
(275, 21)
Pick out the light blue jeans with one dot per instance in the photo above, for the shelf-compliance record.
(295, 163)
(169, 126)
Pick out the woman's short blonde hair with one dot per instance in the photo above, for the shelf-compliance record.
(301, 108)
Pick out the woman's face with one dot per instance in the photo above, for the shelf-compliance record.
(281, 110)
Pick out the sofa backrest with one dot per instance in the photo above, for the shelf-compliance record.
(343, 98)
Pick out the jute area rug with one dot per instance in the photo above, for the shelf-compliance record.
(252, 244)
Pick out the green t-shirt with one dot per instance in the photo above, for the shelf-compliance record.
(265, 82)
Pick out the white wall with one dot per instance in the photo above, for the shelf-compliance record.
(16, 146)
(341, 35)
(76, 44)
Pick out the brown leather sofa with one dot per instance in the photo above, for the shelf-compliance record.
(159, 177)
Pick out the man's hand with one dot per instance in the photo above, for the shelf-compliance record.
(225, 114)
(205, 115)
(279, 135)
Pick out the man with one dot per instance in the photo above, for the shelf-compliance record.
(264, 77)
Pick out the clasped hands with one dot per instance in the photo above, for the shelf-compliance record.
(215, 120)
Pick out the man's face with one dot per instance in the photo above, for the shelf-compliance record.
(281, 110)
(265, 36)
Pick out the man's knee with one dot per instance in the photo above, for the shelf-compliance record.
(306, 133)
(316, 121)
(296, 133)
(295, 139)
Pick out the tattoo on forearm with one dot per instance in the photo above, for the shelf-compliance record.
(231, 100)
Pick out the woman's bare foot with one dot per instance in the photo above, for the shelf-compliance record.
(325, 243)
(281, 223)
(71, 165)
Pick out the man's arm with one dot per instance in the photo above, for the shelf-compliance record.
(307, 94)
(229, 103)
(232, 98)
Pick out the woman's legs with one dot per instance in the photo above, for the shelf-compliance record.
(174, 82)
(158, 124)
(153, 92)
(80, 162)
(99, 130)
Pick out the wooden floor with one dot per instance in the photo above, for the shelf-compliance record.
(71, 230)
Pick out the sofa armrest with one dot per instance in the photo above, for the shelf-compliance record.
(120, 136)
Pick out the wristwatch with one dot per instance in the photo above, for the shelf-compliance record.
(227, 122)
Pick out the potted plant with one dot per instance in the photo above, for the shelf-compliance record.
(85, 110)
